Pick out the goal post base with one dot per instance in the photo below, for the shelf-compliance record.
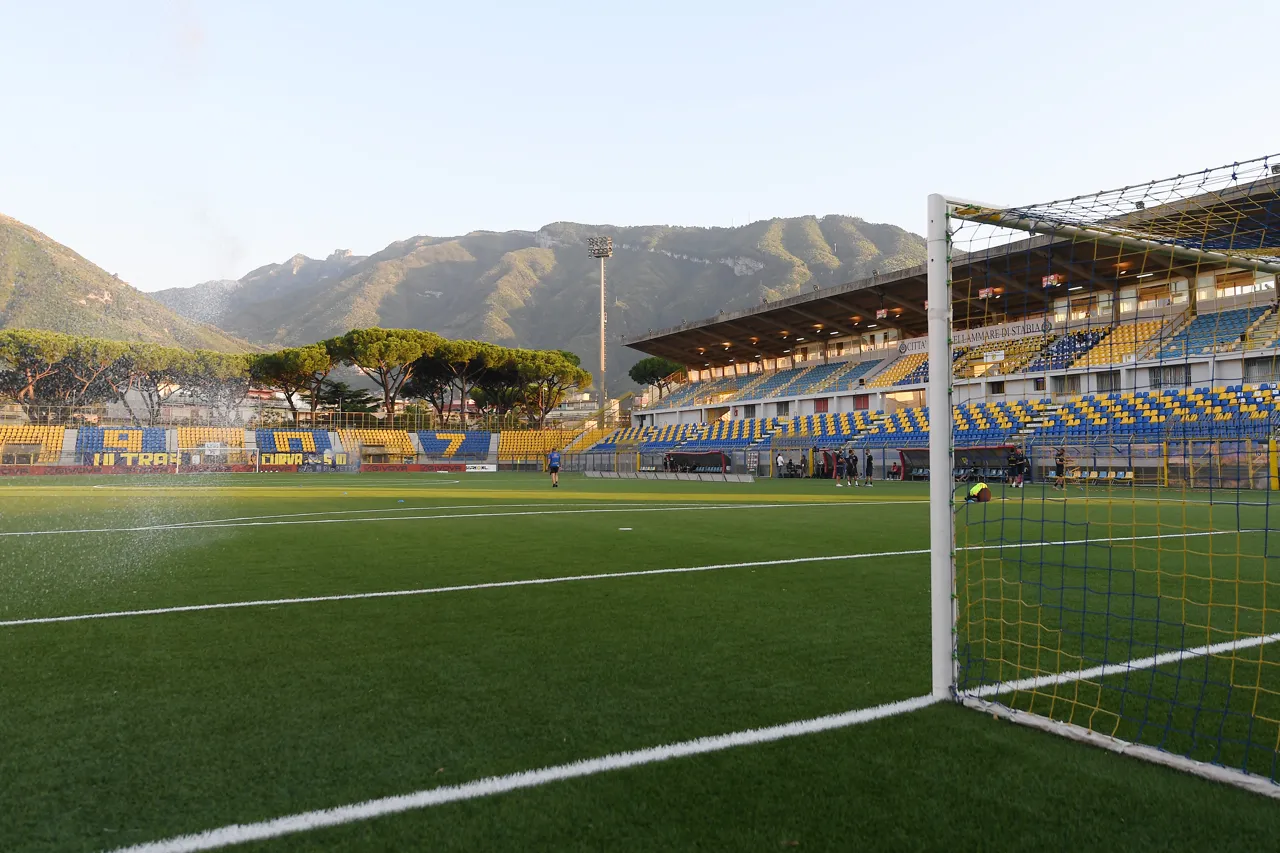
(1213, 772)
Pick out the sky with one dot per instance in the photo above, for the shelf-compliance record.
(176, 142)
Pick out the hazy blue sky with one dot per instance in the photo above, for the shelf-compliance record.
(177, 142)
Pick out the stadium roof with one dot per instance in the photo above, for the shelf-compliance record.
(1014, 272)
(1151, 242)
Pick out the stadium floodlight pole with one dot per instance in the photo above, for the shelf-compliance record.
(941, 488)
(602, 248)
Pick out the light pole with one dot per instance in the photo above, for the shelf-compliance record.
(602, 247)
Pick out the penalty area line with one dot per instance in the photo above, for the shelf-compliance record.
(611, 508)
(398, 593)
(1103, 670)
(242, 833)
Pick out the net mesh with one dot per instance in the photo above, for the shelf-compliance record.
(1118, 355)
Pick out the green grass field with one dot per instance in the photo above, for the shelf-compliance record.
(136, 728)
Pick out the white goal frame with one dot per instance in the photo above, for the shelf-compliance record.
(943, 599)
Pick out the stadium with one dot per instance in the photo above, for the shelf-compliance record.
(383, 633)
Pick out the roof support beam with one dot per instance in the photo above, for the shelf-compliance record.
(904, 305)
(1084, 272)
(747, 335)
(822, 322)
(1039, 295)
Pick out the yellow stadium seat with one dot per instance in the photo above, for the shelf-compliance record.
(395, 442)
(534, 444)
(48, 437)
(200, 436)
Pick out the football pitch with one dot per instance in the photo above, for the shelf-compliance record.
(243, 653)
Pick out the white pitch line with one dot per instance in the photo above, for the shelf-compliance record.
(396, 593)
(609, 509)
(241, 833)
(1106, 669)
(204, 521)
(356, 596)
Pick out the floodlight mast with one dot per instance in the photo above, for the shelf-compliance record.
(602, 248)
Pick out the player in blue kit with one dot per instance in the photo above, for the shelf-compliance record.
(553, 465)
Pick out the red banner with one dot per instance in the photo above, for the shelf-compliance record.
(44, 470)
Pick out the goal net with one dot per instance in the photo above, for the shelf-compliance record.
(215, 458)
(1113, 384)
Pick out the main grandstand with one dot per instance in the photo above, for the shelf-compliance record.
(1062, 339)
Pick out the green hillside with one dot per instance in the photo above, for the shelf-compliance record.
(45, 285)
(539, 289)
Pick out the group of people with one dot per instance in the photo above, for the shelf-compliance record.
(844, 466)
(1019, 468)
(847, 468)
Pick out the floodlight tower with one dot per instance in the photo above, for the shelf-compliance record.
(602, 248)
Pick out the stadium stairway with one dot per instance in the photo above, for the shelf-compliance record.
(1048, 411)
(1122, 344)
(588, 437)
(67, 456)
(1157, 342)
(1263, 333)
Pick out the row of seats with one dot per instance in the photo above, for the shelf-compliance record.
(394, 442)
(25, 435)
(982, 360)
(292, 441)
(586, 438)
(1123, 343)
(1209, 332)
(992, 422)
(634, 436)
(94, 439)
(823, 427)
(1228, 411)
(530, 444)
(200, 436)
(1065, 350)
(727, 434)
(469, 444)
(901, 371)
(1081, 348)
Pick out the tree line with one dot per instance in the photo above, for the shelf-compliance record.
(51, 375)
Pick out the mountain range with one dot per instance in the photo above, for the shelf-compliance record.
(540, 289)
(45, 285)
(535, 289)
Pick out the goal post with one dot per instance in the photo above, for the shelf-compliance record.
(941, 518)
(1118, 354)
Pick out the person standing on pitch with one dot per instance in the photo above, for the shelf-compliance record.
(553, 465)
(851, 466)
(867, 469)
(840, 471)
(781, 461)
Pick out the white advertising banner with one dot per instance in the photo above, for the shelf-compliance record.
(984, 335)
